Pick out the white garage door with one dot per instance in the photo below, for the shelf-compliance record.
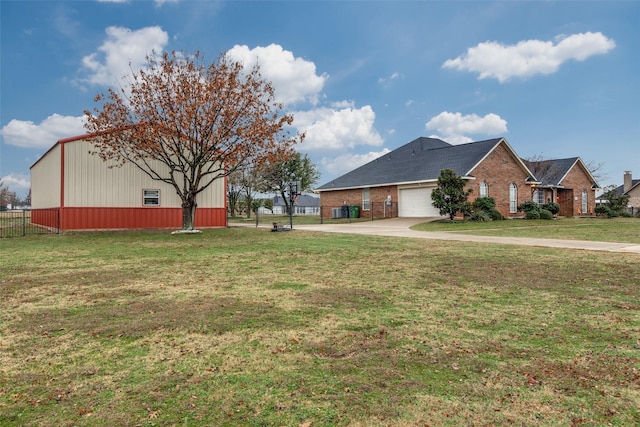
(416, 202)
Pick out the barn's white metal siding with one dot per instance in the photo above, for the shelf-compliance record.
(45, 180)
(89, 182)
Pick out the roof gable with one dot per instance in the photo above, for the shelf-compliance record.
(635, 184)
(417, 161)
(553, 171)
(511, 152)
(550, 172)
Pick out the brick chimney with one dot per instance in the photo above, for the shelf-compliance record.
(627, 181)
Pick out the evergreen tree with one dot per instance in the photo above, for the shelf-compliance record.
(450, 196)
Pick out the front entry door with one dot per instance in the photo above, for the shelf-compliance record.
(565, 200)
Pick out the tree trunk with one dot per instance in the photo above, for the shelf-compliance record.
(249, 200)
(189, 213)
(285, 199)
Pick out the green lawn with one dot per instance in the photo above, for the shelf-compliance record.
(242, 326)
(624, 230)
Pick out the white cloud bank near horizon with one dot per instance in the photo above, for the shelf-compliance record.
(527, 58)
(17, 183)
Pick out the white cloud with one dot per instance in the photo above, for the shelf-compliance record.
(17, 183)
(453, 139)
(27, 134)
(343, 104)
(159, 3)
(393, 76)
(529, 57)
(294, 79)
(455, 126)
(124, 50)
(329, 129)
(347, 162)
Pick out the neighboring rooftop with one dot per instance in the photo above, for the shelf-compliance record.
(301, 200)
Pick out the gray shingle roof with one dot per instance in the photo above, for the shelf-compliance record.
(419, 160)
(634, 182)
(301, 200)
(551, 172)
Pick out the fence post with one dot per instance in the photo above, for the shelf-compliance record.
(321, 218)
(24, 223)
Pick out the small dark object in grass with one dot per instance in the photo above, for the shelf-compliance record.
(277, 226)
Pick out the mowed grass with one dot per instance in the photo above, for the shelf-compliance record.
(243, 326)
(623, 230)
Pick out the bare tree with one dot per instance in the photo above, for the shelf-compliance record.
(7, 197)
(597, 170)
(241, 190)
(234, 191)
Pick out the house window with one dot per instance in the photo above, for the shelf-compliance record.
(366, 201)
(584, 206)
(513, 198)
(538, 196)
(484, 189)
(151, 197)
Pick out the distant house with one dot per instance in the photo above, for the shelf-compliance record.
(304, 204)
(631, 188)
(491, 168)
(85, 193)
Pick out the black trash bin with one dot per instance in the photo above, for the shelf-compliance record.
(345, 211)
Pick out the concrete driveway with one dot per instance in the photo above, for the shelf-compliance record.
(399, 227)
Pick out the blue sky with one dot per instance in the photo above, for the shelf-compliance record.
(555, 78)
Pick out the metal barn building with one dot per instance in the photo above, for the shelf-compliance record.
(87, 194)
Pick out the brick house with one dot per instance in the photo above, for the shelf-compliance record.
(491, 168)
